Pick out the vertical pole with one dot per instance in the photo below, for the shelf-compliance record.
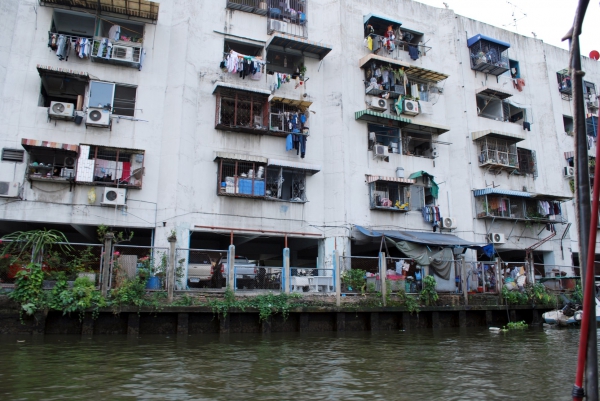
(108, 255)
(286, 279)
(463, 279)
(231, 268)
(382, 276)
(336, 278)
(171, 267)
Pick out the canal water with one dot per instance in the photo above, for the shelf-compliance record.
(453, 364)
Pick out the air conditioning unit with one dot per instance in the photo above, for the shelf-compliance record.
(276, 25)
(113, 197)
(98, 117)
(496, 238)
(411, 107)
(61, 110)
(9, 189)
(378, 104)
(69, 161)
(449, 223)
(569, 172)
(380, 151)
(123, 53)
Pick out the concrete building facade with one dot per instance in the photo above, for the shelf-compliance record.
(182, 143)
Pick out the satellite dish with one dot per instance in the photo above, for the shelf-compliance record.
(594, 55)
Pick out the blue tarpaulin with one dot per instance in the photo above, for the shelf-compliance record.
(423, 238)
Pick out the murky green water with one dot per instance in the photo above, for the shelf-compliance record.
(472, 364)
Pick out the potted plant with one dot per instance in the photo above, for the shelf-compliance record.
(85, 264)
(354, 280)
(34, 242)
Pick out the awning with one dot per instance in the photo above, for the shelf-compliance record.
(300, 44)
(309, 168)
(498, 134)
(36, 143)
(62, 72)
(410, 70)
(227, 85)
(301, 104)
(135, 9)
(240, 157)
(374, 178)
(416, 33)
(427, 127)
(435, 189)
(499, 191)
(493, 92)
(548, 197)
(381, 118)
(376, 18)
(478, 37)
(570, 154)
(424, 238)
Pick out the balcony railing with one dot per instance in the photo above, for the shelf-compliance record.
(250, 6)
(520, 209)
(289, 17)
(398, 50)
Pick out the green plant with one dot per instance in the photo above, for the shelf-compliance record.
(428, 294)
(35, 241)
(371, 287)
(514, 297)
(28, 289)
(83, 296)
(577, 296)
(354, 279)
(572, 186)
(516, 325)
(130, 292)
(84, 262)
(409, 302)
(119, 236)
(267, 304)
(185, 300)
(538, 294)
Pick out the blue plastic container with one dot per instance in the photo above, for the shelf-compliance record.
(153, 283)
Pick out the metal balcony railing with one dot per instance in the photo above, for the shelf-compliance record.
(288, 16)
(250, 6)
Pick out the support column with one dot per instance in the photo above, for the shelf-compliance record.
(182, 324)
(405, 321)
(303, 326)
(513, 315)
(266, 325)
(286, 279)
(337, 278)
(108, 237)
(171, 267)
(39, 322)
(87, 326)
(435, 320)
(462, 319)
(535, 319)
(463, 279)
(374, 321)
(231, 268)
(224, 324)
(382, 277)
(133, 324)
(340, 321)
(488, 318)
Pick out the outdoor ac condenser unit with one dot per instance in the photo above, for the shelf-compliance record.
(496, 238)
(411, 107)
(9, 189)
(449, 223)
(278, 25)
(123, 53)
(113, 197)
(569, 172)
(379, 151)
(98, 117)
(378, 104)
(61, 110)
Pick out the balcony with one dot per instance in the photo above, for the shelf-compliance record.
(390, 194)
(498, 150)
(51, 161)
(394, 43)
(488, 55)
(502, 204)
(139, 10)
(564, 84)
(288, 17)
(249, 6)
(123, 53)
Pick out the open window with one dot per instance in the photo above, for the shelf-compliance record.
(108, 166)
(62, 86)
(286, 184)
(568, 125)
(244, 48)
(242, 110)
(287, 16)
(50, 161)
(500, 110)
(589, 90)
(284, 62)
(527, 162)
(498, 151)
(288, 116)
(389, 193)
(120, 99)
(386, 136)
(417, 144)
(564, 84)
(73, 24)
(493, 203)
(139, 10)
(515, 70)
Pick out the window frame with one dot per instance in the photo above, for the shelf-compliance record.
(235, 95)
(376, 188)
(112, 106)
(54, 170)
(136, 166)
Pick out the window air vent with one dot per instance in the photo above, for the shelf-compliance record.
(12, 155)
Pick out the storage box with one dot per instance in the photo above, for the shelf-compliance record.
(245, 187)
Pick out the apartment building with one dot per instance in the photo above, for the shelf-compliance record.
(305, 124)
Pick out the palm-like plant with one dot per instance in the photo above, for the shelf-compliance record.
(34, 241)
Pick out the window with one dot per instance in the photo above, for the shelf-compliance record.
(417, 144)
(386, 136)
(51, 164)
(12, 155)
(417, 197)
(495, 152)
(500, 110)
(488, 55)
(568, 125)
(241, 178)
(287, 118)
(119, 98)
(589, 90)
(72, 23)
(242, 111)
(242, 48)
(515, 71)
(130, 32)
(527, 162)
(286, 184)
(284, 62)
(111, 166)
(564, 84)
(61, 87)
(390, 196)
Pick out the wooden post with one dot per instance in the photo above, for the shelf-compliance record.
(171, 267)
(231, 268)
(287, 279)
(382, 277)
(108, 237)
(337, 278)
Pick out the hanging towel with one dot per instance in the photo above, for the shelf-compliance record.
(526, 126)
(413, 52)
(289, 144)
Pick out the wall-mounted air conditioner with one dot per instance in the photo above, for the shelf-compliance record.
(496, 238)
(276, 25)
(378, 104)
(569, 172)
(380, 151)
(98, 117)
(113, 197)
(411, 107)
(449, 223)
(69, 161)
(122, 53)
(61, 110)
(9, 189)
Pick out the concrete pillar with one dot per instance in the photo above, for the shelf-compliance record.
(303, 323)
(87, 326)
(171, 267)
(535, 319)
(286, 277)
(105, 282)
(182, 324)
(266, 325)
(463, 279)
(39, 322)
(513, 315)
(488, 318)
(435, 320)
(382, 277)
(231, 268)
(405, 321)
(340, 321)
(224, 324)
(133, 324)
(374, 321)
(336, 278)
(462, 319)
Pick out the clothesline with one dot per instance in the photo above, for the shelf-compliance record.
(239, 55)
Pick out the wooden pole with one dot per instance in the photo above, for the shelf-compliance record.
(108, 255)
